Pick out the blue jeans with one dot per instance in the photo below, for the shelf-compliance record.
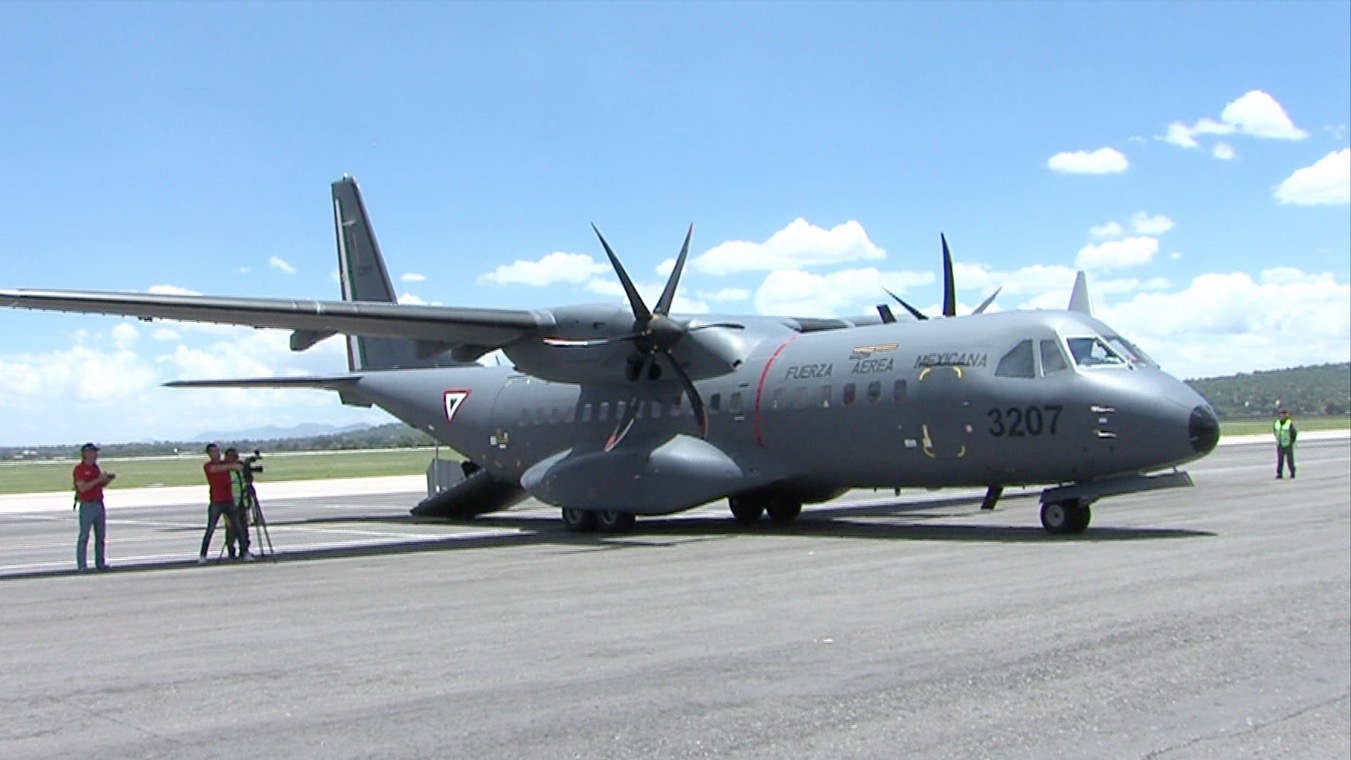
(213, 515)
(92, 515)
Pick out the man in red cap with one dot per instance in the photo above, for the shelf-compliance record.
(89, 483)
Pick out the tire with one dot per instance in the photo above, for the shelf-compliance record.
(579, 520)
(783, 510)
(1065, 517)
(745, 509)
(614, 522)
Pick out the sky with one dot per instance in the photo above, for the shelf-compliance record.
(1192, 158)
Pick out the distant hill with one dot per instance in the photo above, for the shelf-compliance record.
(272, 432)
(1323, 389)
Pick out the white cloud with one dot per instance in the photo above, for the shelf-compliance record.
(850, 291)
(1106, 231)
(556, 267)
(1117, 254)
(1326, 183)
(1223, 151)
(280, 264)
(726, 295)
(1258, 114)
(171, 290)
(1255, 114)
(1142, 224)
(124, 335)
(1100, 161)
(1235, 323)
(798, 245)
(413, 277)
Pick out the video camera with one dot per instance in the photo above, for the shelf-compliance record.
(250, 464)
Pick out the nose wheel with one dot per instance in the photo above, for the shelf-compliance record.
(1065, 517)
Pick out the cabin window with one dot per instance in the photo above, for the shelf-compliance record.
(525, 416)
(734, 403)
(586, 412)
(1052, 358)
(715, 403)
(554, 415)
(874, 391)
(674, 406)
(776, 401)
(621, 408)
(1092, 352)
(800, 398)
(656, 408)
(1017, 362)
(825, 397)
(849, 394)
(569, 414)
(898, 390)
(603, 412)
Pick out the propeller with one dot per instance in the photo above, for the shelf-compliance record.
(949, 292)
(654, 335)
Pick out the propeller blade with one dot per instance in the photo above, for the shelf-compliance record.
(913, 311)
(696, 403)
(578, 343)
(949, 285)
(640, 311)
(624, 424)
(986, 303)
(884, 312)
(730, 325)
(668, 294)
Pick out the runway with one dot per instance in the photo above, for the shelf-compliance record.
(1211, 622)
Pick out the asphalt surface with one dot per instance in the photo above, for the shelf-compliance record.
(1211, 622)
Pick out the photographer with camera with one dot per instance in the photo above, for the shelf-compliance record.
(89, 483)
(219, 478)
(240, 494)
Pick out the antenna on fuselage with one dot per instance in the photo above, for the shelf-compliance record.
(1079, 296)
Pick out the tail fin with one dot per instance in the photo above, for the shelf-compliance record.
(361, 270)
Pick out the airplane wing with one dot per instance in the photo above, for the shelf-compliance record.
(475, 330)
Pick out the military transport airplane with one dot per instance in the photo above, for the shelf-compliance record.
(610, 411)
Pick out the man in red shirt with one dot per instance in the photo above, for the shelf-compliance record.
(222, 501)
(89, 483)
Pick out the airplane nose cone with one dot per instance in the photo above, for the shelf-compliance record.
(1203, 429)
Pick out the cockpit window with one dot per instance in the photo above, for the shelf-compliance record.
(1093, 352)
(1052, 358)
(1017, 362)
(1129, 350)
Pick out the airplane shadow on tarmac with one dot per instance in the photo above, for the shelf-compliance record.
(536, 529)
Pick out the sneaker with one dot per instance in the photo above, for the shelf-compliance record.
(201, 560)
(248, 557)
(105, 567)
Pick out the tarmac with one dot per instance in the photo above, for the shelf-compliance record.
(1210, 622)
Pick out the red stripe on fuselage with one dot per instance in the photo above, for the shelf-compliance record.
(760, 389)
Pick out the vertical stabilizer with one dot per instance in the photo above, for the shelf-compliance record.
(362, 272)
(1079, 296)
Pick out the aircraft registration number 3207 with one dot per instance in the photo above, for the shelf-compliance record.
(1015, 422)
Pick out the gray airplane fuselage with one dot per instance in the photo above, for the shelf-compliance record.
(955, 402)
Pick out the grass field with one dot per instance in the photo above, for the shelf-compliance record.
(35, 477)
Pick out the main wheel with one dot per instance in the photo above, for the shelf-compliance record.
(782, 509)
(746, 509)
(614, 522)
(579, 520)
(1065, 517)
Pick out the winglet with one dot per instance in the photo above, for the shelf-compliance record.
(1079, 297)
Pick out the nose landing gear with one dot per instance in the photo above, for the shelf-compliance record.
(1067, 516)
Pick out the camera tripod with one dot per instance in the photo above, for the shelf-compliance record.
(251, 511)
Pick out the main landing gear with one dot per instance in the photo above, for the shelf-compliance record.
(1066, 516)
(747, 508)
(582, 521)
